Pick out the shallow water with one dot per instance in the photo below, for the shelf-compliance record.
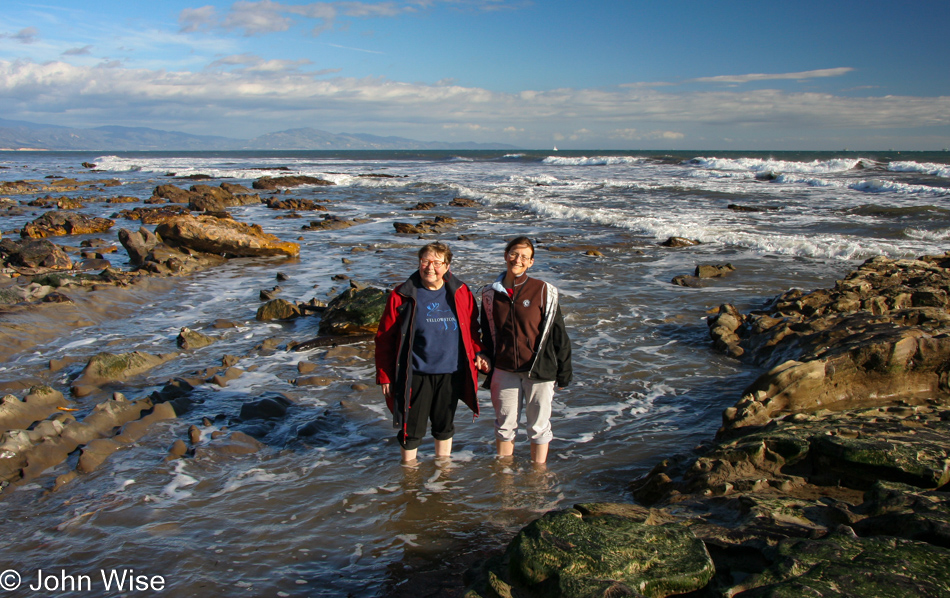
(333, 515)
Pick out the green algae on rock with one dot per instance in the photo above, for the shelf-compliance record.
(844, 565)
(579, 555)
(354, 312)
(189, 339)
(103, 368)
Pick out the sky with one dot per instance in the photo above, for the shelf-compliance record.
(626, 74)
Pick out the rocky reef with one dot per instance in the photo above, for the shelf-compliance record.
(882, 334)
(829, 477)
(44, 428)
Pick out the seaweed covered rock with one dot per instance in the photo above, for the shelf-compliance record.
(354, 312)
(853, 449)
(597, 550)
(587, 556)
(851, 567)
(879, 478)
(104, 368)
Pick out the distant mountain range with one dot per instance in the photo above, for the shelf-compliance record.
(16, 135)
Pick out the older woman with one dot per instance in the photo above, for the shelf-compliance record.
(526, 339)
(427, 352)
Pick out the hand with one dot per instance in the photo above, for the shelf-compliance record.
(387, 391)
(482, 364)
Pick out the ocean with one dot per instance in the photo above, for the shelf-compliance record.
(336, 514)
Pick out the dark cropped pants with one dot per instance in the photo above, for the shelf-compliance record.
(434, 397)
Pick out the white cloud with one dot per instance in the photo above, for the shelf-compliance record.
(799, 76)
(194, 19)
(265, 16)
(257, 18)
(269, 95)
(251, 63)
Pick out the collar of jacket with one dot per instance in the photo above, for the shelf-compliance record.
(499, 286)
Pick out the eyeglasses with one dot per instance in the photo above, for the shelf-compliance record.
(434, 263)
(517, 256)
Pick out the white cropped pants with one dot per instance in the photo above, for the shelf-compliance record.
(513, 391)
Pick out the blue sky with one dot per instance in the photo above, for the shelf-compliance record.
(599, 75)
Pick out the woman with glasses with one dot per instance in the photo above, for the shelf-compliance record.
(428, 351)
(526, 340)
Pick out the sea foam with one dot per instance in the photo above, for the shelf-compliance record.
(940, 170)
(592, 161)
(760, 165)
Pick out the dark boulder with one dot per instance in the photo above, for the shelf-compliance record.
(679, 242)
(269, 407)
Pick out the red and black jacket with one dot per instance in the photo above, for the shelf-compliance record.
(396, 333)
